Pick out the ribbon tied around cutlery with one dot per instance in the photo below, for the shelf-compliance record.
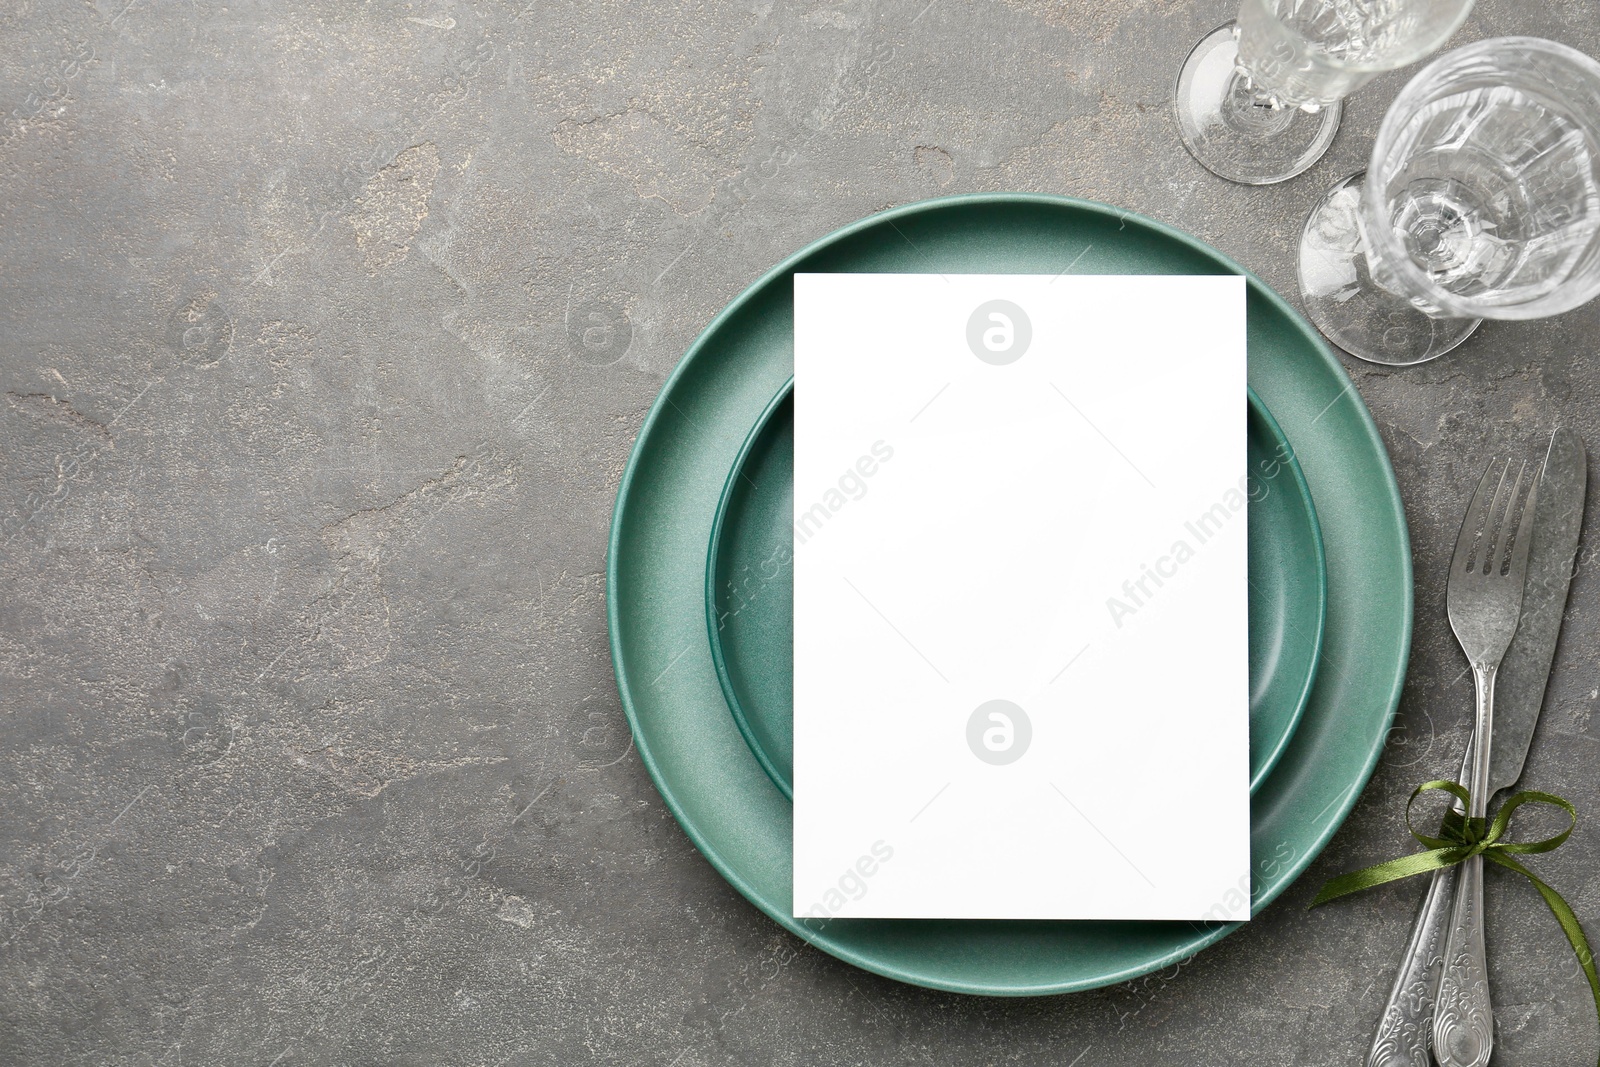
(1460, 838)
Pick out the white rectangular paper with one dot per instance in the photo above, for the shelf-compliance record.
(1025, 489)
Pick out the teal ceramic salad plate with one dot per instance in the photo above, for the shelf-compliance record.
(750, 590)
(692, 440)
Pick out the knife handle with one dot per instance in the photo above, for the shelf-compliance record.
(1405, 1031)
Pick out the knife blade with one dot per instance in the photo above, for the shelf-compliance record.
(1405, 1030)
(1519, 691)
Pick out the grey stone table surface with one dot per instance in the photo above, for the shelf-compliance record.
(325, 331)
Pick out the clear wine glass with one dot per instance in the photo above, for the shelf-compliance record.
(1258, 99)
(1482, 200)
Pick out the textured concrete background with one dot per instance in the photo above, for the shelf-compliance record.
(310, 749)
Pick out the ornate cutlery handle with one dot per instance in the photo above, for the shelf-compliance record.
(1463, 1023)
(1405, 1031)
(1463, 1026)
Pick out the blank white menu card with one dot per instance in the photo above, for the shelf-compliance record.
(1021, 682)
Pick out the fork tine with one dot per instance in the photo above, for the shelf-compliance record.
(1476, 519)
(1499, 555)
(1517, 569)
(1496, 534)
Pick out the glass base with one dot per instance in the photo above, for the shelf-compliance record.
(1230, 133)
(1352, 310)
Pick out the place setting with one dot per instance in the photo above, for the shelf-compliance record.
(1012, 595)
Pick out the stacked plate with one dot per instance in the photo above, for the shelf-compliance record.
(700, 591)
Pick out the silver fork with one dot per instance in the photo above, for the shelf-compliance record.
(1485, 596)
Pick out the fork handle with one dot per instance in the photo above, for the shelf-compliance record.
(1405, 1030)
(1463, 1025)
(1463, 1022)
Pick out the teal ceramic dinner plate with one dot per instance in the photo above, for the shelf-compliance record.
(750, 590)
(656, 593)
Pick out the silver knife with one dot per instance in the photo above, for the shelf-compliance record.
(1519, 691)
(1405, 1032)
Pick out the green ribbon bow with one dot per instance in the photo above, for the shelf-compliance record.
(1460, 838)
